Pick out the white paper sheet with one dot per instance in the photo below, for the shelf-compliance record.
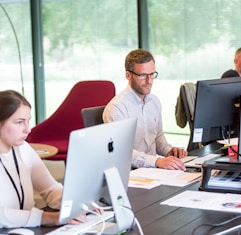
(152, 177)
(231, 141)
(206, 201)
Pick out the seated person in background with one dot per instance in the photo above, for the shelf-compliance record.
(22, 171)
(236, 72)
(138, 101)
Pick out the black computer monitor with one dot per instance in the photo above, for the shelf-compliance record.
(97, 169)
(216, 113)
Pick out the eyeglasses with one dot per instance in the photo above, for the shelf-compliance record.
(143, 76)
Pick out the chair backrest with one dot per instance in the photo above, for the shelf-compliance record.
(67, 117)
(92, 116)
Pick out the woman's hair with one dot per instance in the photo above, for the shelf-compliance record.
(10, 101)
(138, 56)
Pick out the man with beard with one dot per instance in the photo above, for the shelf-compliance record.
(151, 148)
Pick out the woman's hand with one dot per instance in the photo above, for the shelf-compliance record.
(78, 220)
(52, 218)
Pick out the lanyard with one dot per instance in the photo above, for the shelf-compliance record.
(21, 201)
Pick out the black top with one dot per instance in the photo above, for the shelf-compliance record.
(230, 73)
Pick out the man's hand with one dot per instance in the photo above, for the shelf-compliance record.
(177, 152)
(170, 163)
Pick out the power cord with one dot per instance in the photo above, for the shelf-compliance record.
(139, 226)
(212, 226)
(228, 230)
(135, 220)
(95, 205)
(228, 142)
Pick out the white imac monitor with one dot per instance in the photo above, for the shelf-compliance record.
(97, 167)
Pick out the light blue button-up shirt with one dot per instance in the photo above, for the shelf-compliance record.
(150, 140)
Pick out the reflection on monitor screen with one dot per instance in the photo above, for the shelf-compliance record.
(97, 169)
(216, 114)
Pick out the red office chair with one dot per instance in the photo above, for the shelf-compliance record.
(56, 129)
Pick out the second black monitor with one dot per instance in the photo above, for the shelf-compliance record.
(216, 114)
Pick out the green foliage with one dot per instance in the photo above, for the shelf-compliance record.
(186, 25)
(175, 25)
(85, 22)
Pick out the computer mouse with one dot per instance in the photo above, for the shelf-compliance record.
(21, 231)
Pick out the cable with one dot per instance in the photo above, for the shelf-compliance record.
(212, 226)
(139, 226)
(228, 142)
(228, 230)
(85, 208)
(135, 220)
(104, 201)
(95, 205)
(195, 230)
(227, 221)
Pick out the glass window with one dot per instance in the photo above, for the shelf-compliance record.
(16, 66)
(86, 40)
(191, 40)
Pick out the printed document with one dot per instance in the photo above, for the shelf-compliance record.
(228, 202)
(152, 177)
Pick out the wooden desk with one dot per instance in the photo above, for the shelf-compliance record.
(163, 219)
(44, 150)
(160, 219)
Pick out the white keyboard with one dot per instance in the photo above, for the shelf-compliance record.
(198, 161)
(92, 221)
(188, 158)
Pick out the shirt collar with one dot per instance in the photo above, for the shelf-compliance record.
(136, 97)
